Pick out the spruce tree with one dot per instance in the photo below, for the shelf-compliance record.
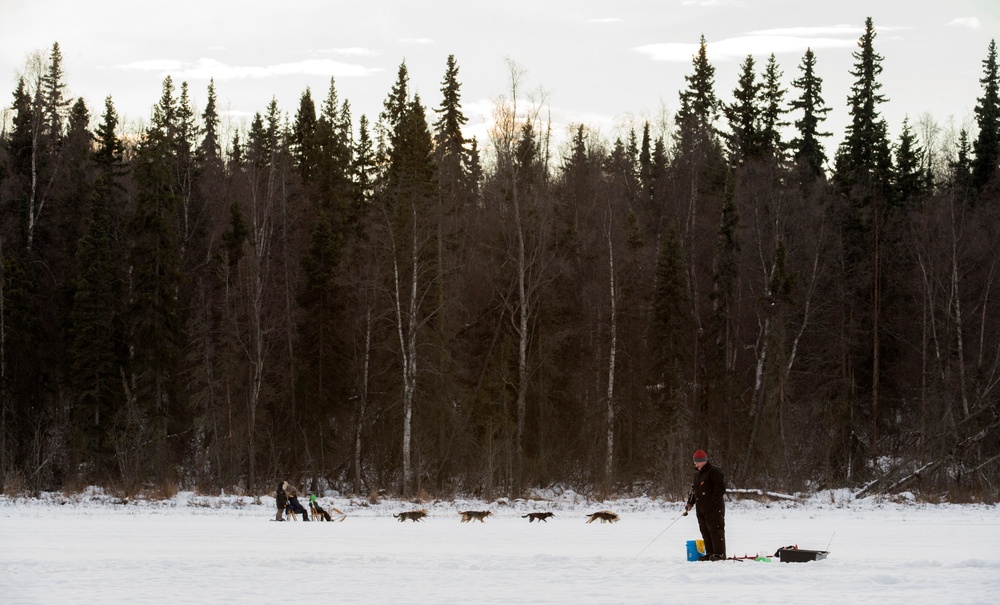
(670, 331)
(96, 352)
(807, 147)
(394, 109)
(646, 162)
(155, 274)
(364, 165)
(474, 171)
(53, 95)
(744, 115)
(863, 175)
(772, 108)
(448, 139)
(19, 140)
(987, 144)
(210, 150)
(333, 140)
(961, 166)
(305, 143)
(699, 107)
(909, 178)
(407, 196)
(863, 158)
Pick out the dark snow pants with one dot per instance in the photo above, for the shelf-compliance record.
(713, 531)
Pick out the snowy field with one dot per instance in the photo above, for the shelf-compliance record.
(90, 549)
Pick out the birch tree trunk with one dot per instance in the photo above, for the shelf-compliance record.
(362, 398)
(524, 311)
(255, 341)
(957, 306)
(406, 330)
(610, 411)
(3, 365)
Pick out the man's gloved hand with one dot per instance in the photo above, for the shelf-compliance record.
(687, 509)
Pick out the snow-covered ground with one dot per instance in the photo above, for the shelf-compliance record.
(190, 549)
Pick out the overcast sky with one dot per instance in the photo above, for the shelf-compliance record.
(604, 64)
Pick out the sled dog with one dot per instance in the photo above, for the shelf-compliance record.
(605, 516)
(475, 515)
(412, 515)
(532, 517)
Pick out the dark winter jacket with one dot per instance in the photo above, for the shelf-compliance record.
(281, 498)
(708, 491)
(295, 506)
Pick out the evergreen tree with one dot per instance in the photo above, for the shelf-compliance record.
(474, 171)
(110, 148)
(863, 158)
(19, 141)
(210, 150)
(863, 174)
(154, 266)
(407, 195)
(744, 115)
(670, 330)
(53, 95)
(333, 138)
(646, 162)
(961, 166)
(720, 335)
(448, 139)
(71, 201)
(97, 364)
(305, 143)
(364, 165)
(910, 179)
(321, 349)
(807, 147)
(987, 144)
(394, 110)
(772, 109)
(699, 107)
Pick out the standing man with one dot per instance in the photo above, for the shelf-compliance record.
(281, 500)
(707, 497)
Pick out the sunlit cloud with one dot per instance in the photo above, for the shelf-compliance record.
(812, 32)
(204, 69)
(970, 22)
(154, 65)
(778, 41)
(711, 3)
(354, 51)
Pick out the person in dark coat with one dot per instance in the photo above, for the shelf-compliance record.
(707, 498)
(293, 503)
(281, 500)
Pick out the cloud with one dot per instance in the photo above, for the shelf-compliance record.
(711, 3)
(970, 22)
(204, 69)
(354, 51)
(812, 32)
(763, 42)
(154, 65)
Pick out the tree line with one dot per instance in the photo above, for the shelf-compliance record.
(382, 306)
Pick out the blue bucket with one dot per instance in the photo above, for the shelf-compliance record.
(693, 551)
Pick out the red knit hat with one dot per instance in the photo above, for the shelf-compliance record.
(700, 456)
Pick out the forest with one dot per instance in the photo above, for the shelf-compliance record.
(384, 306)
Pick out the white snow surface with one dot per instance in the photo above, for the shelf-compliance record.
(91, 548)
